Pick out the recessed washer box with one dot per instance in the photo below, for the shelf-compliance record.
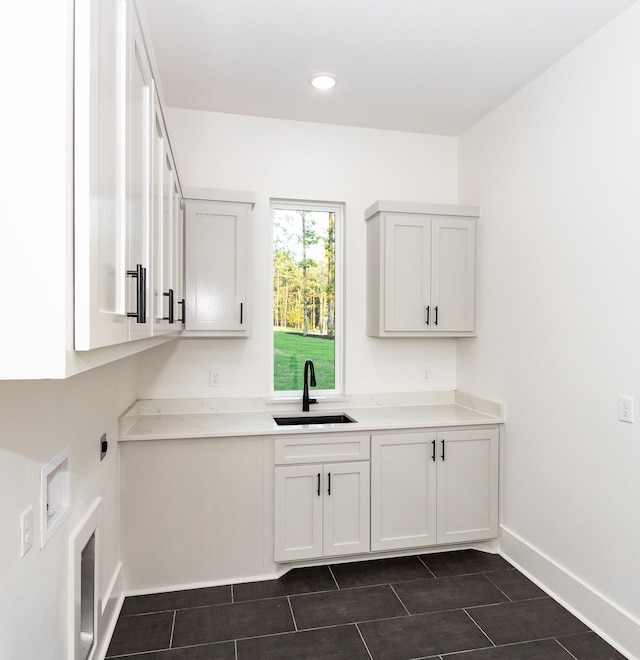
(55, 494)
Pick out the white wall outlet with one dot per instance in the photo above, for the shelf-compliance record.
(426, 374)
(625, 408)
(26, 531)
(214, 378)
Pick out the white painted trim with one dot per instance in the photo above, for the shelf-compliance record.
(618, 627)
(424, 208)
(113, 587)
(490, 546)
(218, 195)
(56, 496)
(112, 602)
(224, 582)
(89, 526)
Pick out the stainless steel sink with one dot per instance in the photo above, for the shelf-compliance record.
(312, 420)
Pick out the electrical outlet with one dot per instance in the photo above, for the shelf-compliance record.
(625, 408)
(426, 374)
(214, 378)
(26, 531)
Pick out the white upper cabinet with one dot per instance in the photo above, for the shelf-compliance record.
(420, 270)
(177, 218)
(166, 224)
(128, 281)
(140, 132)
(99, 223)
(216, 267)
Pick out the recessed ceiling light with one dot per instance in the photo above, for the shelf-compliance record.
(324, 81)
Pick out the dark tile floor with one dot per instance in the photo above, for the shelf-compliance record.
(463, 605)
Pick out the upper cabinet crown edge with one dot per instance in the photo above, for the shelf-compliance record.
(426, 208)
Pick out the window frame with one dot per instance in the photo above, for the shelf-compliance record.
(339, 286)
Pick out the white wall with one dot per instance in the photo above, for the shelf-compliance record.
(39, 419)
(556, 171)
(297, 160)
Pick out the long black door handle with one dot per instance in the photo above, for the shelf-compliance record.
(329, 482)
(318, 484)
(140, 274)
(435, 313)
(241, 312)
(182, 318)
(442, 454)
(433, 450)
(427, 310)
(170, 317)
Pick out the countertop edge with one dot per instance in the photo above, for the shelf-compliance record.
(263, 426)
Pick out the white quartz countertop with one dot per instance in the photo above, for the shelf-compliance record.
(155, 421)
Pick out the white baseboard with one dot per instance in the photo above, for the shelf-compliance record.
(608, 620)
(281, 568)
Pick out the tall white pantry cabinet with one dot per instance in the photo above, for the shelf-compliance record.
(128, 215)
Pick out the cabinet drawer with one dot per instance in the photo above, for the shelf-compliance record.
(315, 449)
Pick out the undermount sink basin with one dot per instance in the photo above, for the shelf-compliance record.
(307, 420)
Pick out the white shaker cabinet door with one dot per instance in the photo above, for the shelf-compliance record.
(407, 267)
(99, 223)
(298, 512)
(346, 508)
(468, 485)
(216, 236)
(403, 490)
(453, 274)
(138, 185)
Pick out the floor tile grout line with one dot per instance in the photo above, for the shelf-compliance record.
(400, 599)
(498, 588)
(293, 616)
(478, 627)
(334, 577)
(363, 640)
(173, 627)
(564, 647)
(233, 596)
(421, 560)
(235, 648)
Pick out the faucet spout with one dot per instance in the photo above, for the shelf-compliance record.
(308, 371)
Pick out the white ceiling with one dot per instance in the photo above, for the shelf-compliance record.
(428, 66)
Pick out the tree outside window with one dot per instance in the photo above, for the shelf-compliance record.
(304, 294)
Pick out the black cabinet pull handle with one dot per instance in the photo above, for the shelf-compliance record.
(435, 312)
(433, 450)
(170, 317)
(140, 273)
(182, 318)
(318, 484)
(442, 455)
(329, 481)
(427, 310)
(241, 313)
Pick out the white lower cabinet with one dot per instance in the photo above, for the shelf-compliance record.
(429, 488)
(321, 509)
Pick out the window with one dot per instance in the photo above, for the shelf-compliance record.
(307, 313)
